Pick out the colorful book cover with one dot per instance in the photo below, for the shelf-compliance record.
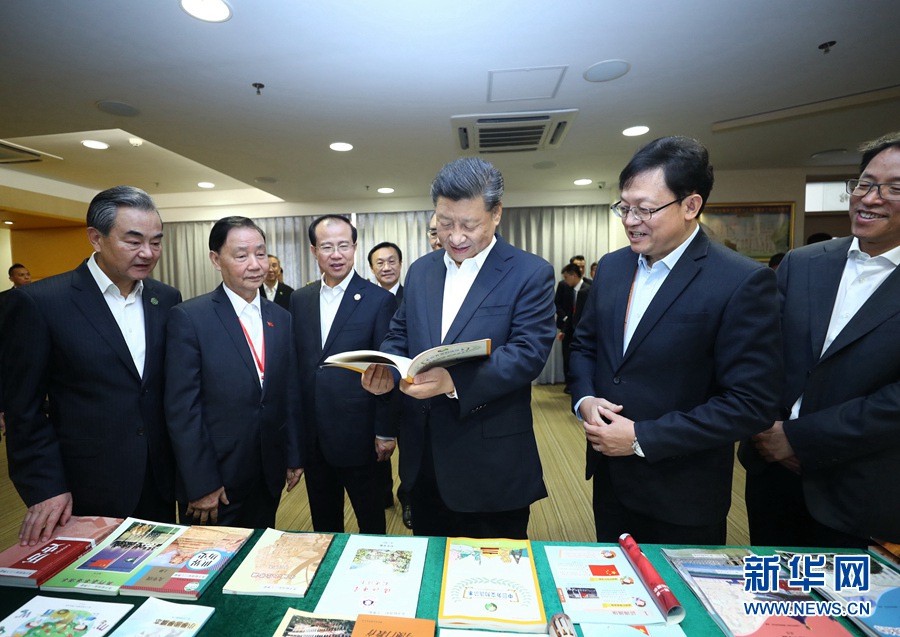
(375, 575)
(187, 566)
(158, 618)
(492, 584)
(382, 626)
(116, 559)
(296, 623)
(30, 566)
(281, 563)
(58, 617)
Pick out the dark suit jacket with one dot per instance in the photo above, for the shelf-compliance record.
(568, 313)
(701, 372)
(847, 437)
(282, 295)
(106, 421)
(227, 430)
(344, 418)
(485, 454)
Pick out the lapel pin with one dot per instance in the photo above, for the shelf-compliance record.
(357, 297)
(270, 323)
(154, 300)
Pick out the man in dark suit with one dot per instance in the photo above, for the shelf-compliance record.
(92, 341)
(347, 431)
(675, 358)
(569, 303)
(829, 466)
(272, 288)
(469, 451)
(231, 388)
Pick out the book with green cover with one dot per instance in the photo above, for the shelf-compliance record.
(116, 559)
(59, 617)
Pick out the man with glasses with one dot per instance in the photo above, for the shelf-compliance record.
(832, 459)
(675, 358)
(346, 429)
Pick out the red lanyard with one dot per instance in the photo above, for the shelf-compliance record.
(260, 360)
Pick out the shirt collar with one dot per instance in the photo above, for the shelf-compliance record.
(342, 286)
(239, 304)
(892, 255)
(478, 259)
(672, 258)
(104, 282)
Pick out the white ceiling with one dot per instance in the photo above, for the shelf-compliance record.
(387, 77)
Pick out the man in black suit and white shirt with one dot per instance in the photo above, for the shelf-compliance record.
(92, 340)
(272, 287)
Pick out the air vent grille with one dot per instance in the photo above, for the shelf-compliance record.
(512, 132)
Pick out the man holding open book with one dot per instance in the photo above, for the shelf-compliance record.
(469, 452)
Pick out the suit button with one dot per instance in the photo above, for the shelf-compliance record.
(616, 380)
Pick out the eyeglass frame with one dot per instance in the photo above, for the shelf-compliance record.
(877, 187)
(645, 215)
(329, 249)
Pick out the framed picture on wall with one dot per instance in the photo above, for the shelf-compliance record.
(757, 230)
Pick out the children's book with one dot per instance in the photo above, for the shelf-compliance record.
(187, 566)
(158, 618)
(281, 563)
(31, 566)
(55, 616)
(116, 559)
(297, 623)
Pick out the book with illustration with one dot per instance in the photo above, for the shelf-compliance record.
(187, 566)
(440, 356)
(158, 618)
(56, 616)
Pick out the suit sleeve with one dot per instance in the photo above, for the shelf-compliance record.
(191, 442)
(35, 460)
(385, 407)
(294, 453)
(521, 358)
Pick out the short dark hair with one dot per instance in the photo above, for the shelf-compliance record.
(776, 259)
(684, 162)
(385, 244)
(577, 257)
(876, 147)
(219, 233)
(469, 178)
(13, 267)
(571, 268)
(316, 222)
(101, 214)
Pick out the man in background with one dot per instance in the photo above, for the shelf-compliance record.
(92, 341)
(675, 358)
(569, 306)
(347, 431)
(433, 239)
(231, 389)
(273, 288)
(824, 473)
(469, 453)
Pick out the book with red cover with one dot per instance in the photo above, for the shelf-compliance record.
(31, 566)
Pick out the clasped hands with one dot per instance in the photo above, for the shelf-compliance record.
(379, 380)
(606, 429)
(773, 445)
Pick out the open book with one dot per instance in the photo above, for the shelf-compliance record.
(440, 356)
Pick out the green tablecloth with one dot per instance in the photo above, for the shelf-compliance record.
(251, 616)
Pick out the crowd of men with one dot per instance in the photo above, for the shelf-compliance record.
(122, 400)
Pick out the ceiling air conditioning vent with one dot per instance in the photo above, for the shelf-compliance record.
(14, 154)
(512, 132)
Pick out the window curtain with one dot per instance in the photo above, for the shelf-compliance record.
(555, 233)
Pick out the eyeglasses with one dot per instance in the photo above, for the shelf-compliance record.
(641, 214)
(343, 247)
(380, 263)
(861, 188)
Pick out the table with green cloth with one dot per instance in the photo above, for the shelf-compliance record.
(251, 616)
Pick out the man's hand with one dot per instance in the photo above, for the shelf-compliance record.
(559, 335)
(42, 518)
(608, 432)
(384, 448)
(434, 382)
(206, 509)
(773, 444)
(292, 478)
(377, 379)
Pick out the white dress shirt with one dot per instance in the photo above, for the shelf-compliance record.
(270, 291)
(457, 283)
(329, 302)
(250, 316)
(128, 311)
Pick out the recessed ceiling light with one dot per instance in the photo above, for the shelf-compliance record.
(206, 184)
(385, 191)
(341, 147)
(583, 182)
(634, 131)
(9, 223)
(119, 109)
(207, 10)
(91, 143)
(606, 70)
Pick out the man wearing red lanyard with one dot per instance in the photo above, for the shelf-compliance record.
(229, 367)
